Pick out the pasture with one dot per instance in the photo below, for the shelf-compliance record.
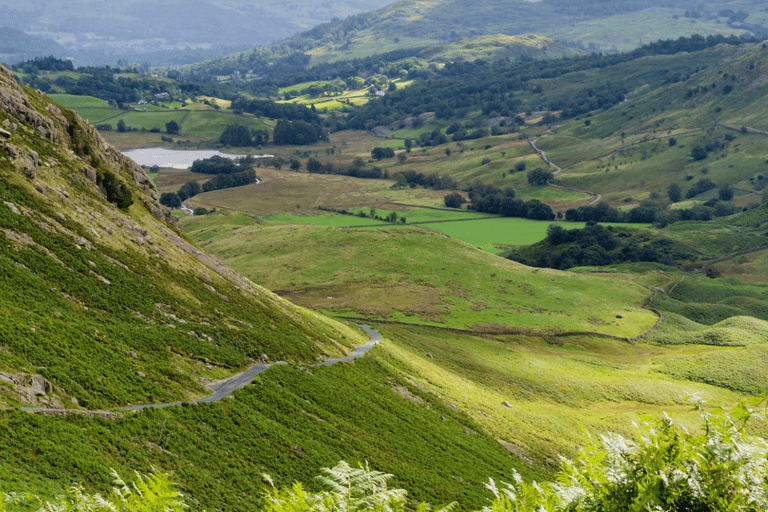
(418, 276)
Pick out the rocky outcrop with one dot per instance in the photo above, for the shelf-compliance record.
(32, 389)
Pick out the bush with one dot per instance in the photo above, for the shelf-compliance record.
(698, 153)
(117, 192)
(170, 199)
(454, 200)
(539, 177)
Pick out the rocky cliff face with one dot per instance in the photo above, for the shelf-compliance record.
(95, 268)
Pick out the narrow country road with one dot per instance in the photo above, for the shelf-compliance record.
(226, 387)
(595, 196)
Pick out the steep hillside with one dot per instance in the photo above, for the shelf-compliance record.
(103, 301)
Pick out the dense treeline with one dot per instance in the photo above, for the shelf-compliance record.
(272, 110)
(240, 136)
(650, 212)
(298, 133)
(490, 199)
(236, 178)
(216, 165)
(597, 245)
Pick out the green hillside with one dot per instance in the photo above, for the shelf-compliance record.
(96, 270)
(608, 26)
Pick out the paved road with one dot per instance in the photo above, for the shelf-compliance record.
(226, 387)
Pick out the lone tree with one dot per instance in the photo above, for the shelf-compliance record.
(674, 193)
(539, 177)
(172, 127)
(725, 193)
(454, 200)
(698, 153)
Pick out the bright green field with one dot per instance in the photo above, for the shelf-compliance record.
(95, 115)
(73, 102)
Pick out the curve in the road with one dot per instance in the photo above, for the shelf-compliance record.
(226, 387)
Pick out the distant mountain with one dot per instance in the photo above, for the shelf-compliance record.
(16, 46)
(611, 25)
(135, 27)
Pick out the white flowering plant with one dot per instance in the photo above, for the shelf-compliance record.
(719, 469)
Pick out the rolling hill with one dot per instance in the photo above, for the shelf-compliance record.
(613, 26)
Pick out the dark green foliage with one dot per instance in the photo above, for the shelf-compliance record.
(674, 193)
(379, 153)
(172, 128)
(222, 181)
(700, 187)
(433, 180)
(285, 111)
(698, 153)
(454, 200)
(289, 424)
(725, 193)
(539, 177)
(297, 133)
(189, 189)
(215, 165)
(489, 199)
(117, 191)
(170, 199)
(597, 245)
(240, 136)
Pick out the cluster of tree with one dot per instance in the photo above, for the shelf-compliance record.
(356, 170)
(380, 153)
(589, 99)
(217, 165)
(538, 177)
(218, 182)
(298, 133)
(597, 245)
(650, 212)
(240, 136)
(701, 186)
(49, 63)
(433, 180)
(491, 199)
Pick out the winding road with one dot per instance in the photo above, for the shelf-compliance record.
(226, 387)
(596, 197)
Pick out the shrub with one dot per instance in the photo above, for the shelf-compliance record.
(117, 191)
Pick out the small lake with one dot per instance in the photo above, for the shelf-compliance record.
(174, 158)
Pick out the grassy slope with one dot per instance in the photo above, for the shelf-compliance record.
(419, 276)
(625, 151)
(412, 24)
(121, 290)
(288, 424)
